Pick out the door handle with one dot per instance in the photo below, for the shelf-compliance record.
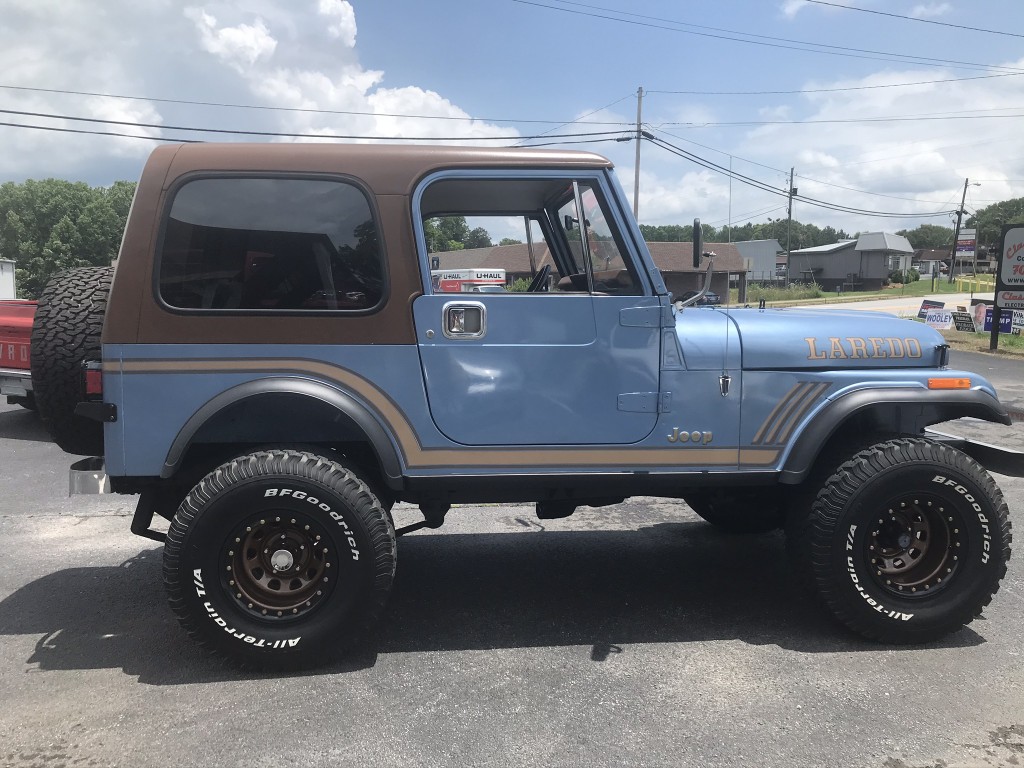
(464, 320)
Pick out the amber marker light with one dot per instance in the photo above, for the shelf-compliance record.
(949, 383)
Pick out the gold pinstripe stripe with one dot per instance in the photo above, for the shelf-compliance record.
(416, 456)
(809, 400)
(771, 416)
(785, 414)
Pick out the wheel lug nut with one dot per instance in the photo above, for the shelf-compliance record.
(956, 530)
(319, 592)
(280, 614)
(229, 567)
(238, 541)
(250, 605)
(293, 522)
(239, 596)
(264, 611)
(263, 522)
(295, 610)
(277, 519)
(231, 583)
(231, 553)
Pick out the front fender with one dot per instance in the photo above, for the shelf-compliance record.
(892, 411)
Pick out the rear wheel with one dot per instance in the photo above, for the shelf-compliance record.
(906, 542)
(65, 333)
(279, 560)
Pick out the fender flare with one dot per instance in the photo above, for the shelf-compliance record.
(920, 408)
(380, 438)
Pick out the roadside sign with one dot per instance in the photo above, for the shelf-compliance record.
(963, 321)
(939, 318)
(1005, 321)
(927, 304)
(1010, 276)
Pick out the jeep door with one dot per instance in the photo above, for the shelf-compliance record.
(568, 352)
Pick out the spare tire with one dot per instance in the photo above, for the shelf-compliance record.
(66, 333)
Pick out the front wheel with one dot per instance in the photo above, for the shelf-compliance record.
(907, 541)
(279, 560)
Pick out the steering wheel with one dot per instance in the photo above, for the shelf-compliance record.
(540, 280)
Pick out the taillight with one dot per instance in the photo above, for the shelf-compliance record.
(93, 380)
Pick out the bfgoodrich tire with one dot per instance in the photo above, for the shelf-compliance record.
(907, 541)
(66, 331)
(279, 560)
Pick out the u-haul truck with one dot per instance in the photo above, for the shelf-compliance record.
(467, 280)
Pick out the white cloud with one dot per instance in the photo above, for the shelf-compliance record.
(791, 8)
(930, 10)
(344, 26)
(240, 47)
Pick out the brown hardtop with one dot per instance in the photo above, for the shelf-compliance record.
(386, 169)
(388, 174)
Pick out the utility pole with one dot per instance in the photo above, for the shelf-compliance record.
(956, 232)
(636, 171)
(789, 223)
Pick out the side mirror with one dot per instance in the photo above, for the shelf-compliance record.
(570, 222)
(698, 243)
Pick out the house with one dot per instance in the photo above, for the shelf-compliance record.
(760, 259)
(931, 261)
(863, 264)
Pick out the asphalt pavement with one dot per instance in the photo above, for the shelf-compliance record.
(627, 635)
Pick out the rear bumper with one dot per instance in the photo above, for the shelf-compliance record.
(88, 476)
(15, 382)
(1004, 461)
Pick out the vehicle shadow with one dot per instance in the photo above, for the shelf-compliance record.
(601, 590)
(21, 424)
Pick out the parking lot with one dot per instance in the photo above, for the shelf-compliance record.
(629, 635)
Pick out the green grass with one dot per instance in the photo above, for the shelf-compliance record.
(979, 342)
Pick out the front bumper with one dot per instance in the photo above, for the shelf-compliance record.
(1004, 461)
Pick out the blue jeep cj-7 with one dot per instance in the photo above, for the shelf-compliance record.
(269, 367)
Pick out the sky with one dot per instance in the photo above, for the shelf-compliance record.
(881, 106)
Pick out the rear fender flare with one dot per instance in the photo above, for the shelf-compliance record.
(376, 433)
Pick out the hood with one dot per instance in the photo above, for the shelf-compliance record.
(774, 339)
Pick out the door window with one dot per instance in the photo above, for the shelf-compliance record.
(516, 236)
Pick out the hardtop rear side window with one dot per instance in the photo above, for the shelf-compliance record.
(271, 244)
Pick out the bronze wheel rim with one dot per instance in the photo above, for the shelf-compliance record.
(914, 545)
(279, 565)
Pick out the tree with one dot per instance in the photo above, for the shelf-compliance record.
(929, 236)
(478, 238)
(50, 225)
(989, 221)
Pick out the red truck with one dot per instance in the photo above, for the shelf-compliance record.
(15, 333)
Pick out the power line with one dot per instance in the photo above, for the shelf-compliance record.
(844, 120)
(836, 90)
(281, 134)
(832, 50)
(305, 110)
(914, 18)
(99, 133)
(763, 186)
(580, 118)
